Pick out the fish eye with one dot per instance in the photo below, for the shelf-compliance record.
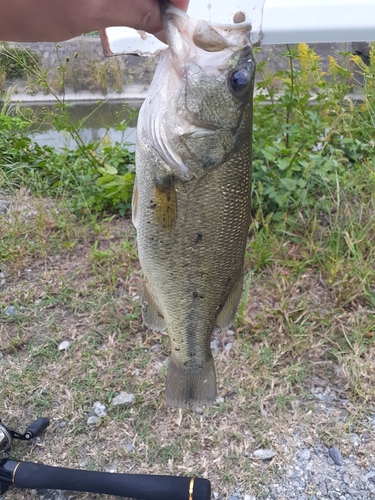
(239, 80)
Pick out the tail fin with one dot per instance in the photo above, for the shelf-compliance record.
(196, 386)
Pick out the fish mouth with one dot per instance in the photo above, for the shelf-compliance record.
(197, 40)
(188, 136)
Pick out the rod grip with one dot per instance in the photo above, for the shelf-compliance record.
(36, 428)
(140, 486)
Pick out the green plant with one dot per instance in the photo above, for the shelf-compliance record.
(2, 79)
(93, 178)
(16, 62)
(298, 367)
(83, 72)
(305, 137)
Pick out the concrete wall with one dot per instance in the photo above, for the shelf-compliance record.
(91, 47)
(52, 53)
(87, 61)
(88, 50)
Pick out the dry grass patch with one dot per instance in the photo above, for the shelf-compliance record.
(297, 370)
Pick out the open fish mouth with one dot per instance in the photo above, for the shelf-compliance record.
(186, 37)
(202, 59)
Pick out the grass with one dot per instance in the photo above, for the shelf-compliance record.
(295, 371)
(305, 328)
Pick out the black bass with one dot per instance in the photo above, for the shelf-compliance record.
(191, 202)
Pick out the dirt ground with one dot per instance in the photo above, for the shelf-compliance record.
(294, 372)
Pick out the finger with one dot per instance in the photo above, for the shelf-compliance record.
(181, 4)
(161, 36)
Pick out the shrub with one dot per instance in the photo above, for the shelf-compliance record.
(16, 62)
(83, 72)
(91, 178)
(309, 134)
(310, 139)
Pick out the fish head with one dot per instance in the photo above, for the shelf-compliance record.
(199, 108)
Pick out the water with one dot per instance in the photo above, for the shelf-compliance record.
(99, 122)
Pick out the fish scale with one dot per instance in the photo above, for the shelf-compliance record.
(192, 232)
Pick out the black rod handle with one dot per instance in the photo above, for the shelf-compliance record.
(140, 486)
(36, 428)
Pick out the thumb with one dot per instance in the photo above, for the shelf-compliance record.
(181, 4)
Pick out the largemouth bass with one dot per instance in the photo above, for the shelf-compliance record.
(191, 202)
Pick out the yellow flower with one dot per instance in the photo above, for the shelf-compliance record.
(358, 62)
(311, 72)
(333, 65)
(106, 140)
(303, 54)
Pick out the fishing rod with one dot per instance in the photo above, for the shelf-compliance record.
(31, 475)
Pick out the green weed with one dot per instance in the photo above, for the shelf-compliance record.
(309, 134)
(17, 62)
(305, 323)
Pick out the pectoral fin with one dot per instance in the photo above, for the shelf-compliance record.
(228, 312)
(135, 204)
(151, 314)
(165, 202)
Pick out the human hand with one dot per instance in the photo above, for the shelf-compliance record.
(147, 16)
(57, 20)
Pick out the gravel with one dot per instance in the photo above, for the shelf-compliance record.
(228, 347)
(93, 420)
(11, 311)
(64, 345)
(215, 345)
(129, 447)
(335, 454)
(4, 205)
(315, 473)
(100, 409)
(52, 495)
(264, 454)
(312, 474)
(123, 400)
(304, 455)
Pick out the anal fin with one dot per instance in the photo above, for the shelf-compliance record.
(226, 316)
(151, 314)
